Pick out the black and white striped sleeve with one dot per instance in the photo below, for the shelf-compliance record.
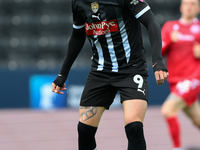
(137, 7)
(78, 21)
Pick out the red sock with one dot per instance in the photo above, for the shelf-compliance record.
(174, 130)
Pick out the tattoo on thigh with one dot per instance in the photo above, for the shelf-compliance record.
(88, 113)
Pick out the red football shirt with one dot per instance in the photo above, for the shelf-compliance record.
(181, 62)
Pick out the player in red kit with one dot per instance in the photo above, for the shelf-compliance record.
(181, 45)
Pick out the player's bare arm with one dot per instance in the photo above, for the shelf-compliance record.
(196, 50)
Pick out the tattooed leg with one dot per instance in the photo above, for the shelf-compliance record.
(89, 113)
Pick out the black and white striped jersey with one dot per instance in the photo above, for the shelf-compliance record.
(114, 32)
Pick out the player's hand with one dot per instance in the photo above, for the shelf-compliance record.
(161, 76)
(196, 50)
(58, 89)
(174, 36)
(160, 71)
(58, 84)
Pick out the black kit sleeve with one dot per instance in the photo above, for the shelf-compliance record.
(154, 31)
(75, 45)
(141, 10)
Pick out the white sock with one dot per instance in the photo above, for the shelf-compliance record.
(95, 149)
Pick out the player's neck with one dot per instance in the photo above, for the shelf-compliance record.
(187, 21)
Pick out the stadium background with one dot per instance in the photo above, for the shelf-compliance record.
(33, 40)
(34, 36)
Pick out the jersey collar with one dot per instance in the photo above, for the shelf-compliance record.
(195, 20)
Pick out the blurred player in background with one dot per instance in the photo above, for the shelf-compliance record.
(181, 44)
(118, 64)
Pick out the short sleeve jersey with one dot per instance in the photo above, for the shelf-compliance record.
(114, 31)
(181, 62)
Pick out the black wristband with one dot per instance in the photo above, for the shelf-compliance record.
(60, 80)
(159, 66)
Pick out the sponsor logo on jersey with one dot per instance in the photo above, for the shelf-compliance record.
(95, 6)
(101, 28)
(185, 37)
(135, 2)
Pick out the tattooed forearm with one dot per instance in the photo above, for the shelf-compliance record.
(88, 113)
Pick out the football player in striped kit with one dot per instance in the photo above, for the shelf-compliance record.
(118, 64)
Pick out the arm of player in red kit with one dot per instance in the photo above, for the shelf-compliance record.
(166, 37)
(154, 31)
(196, 50)
(75, 45)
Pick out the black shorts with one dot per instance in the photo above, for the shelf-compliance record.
(101, 88)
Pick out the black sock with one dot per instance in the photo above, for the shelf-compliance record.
(86, 136)
(135, 135)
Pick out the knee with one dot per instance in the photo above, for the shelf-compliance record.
(165, 112)
(196, 122)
